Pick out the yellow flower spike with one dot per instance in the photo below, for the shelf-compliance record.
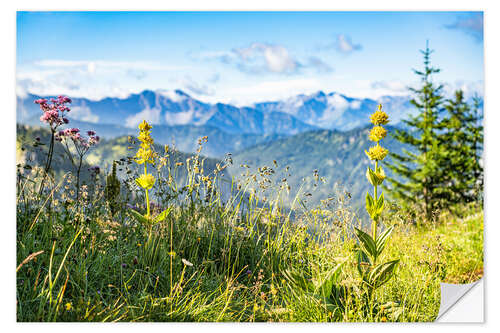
(146, 139)
(377, 133)
(377, 153)
(144, 126)
(379, 117)
(146, 181)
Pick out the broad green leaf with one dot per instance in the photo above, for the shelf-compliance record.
(139, 217)
(369, 203)
(364, 264)
(382, 273)
(367, 243)
(380, 202)
(370, 176)
(328, 281)
(382, 239)
(163, 215)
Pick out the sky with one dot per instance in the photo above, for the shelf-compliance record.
(244, 57)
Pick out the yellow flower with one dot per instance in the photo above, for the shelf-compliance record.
(146, 181)
(144, 126)
(377, 133)
(377, 153)
(379, 117)
(144, 155)
(383, 319)
(68, 306)
(145, 138)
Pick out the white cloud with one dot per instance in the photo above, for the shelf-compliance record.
(471, 24)
(337, 104)
(179, 118)
(259, 57)
(269, 91)
(345, 45)
(83, 113)
(469, 88)
(93, 79)
(355, 105)
(172, 95)
(152, 116)
(395, 86)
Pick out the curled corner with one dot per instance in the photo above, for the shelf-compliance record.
(451, 294)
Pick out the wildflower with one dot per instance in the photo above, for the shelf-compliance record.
(68, 306)
(53, 112)
(377, 153)
(383, 319)
(379, 117)
(144, 155)
(377, 133)
(185, 262)
(146, 181)
(144, 126)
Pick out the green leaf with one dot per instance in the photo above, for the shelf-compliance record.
(162, 216)
(298, 280)
(364, 264)
(370, 176)
(380, 205)
(382, 239)
(328, 281)
(367, 243)
(139, 217)
(369, 203)
(382, 273)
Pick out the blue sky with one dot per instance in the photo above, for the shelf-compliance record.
(244, 57)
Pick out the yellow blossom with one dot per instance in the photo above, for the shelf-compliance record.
(145, 156)
(377, 153)
(144, 126)
(146, 181)
(68, 306)
(146, 138)
(377, 133)
(379, 117)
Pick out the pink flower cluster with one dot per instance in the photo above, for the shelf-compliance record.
(53, 112)
(82, 143)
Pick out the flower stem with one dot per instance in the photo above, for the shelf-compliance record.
(147, 194)
(374, 223)
(49, 160)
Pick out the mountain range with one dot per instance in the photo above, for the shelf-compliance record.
(178, 117)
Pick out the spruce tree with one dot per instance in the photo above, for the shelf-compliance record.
(463, 143)
(418, 173)
(476, 133)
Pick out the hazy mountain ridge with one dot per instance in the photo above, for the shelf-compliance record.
(171, 108)
(337, 111)
(183, 137)
(294, 115)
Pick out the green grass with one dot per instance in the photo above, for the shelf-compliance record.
(243, 250)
